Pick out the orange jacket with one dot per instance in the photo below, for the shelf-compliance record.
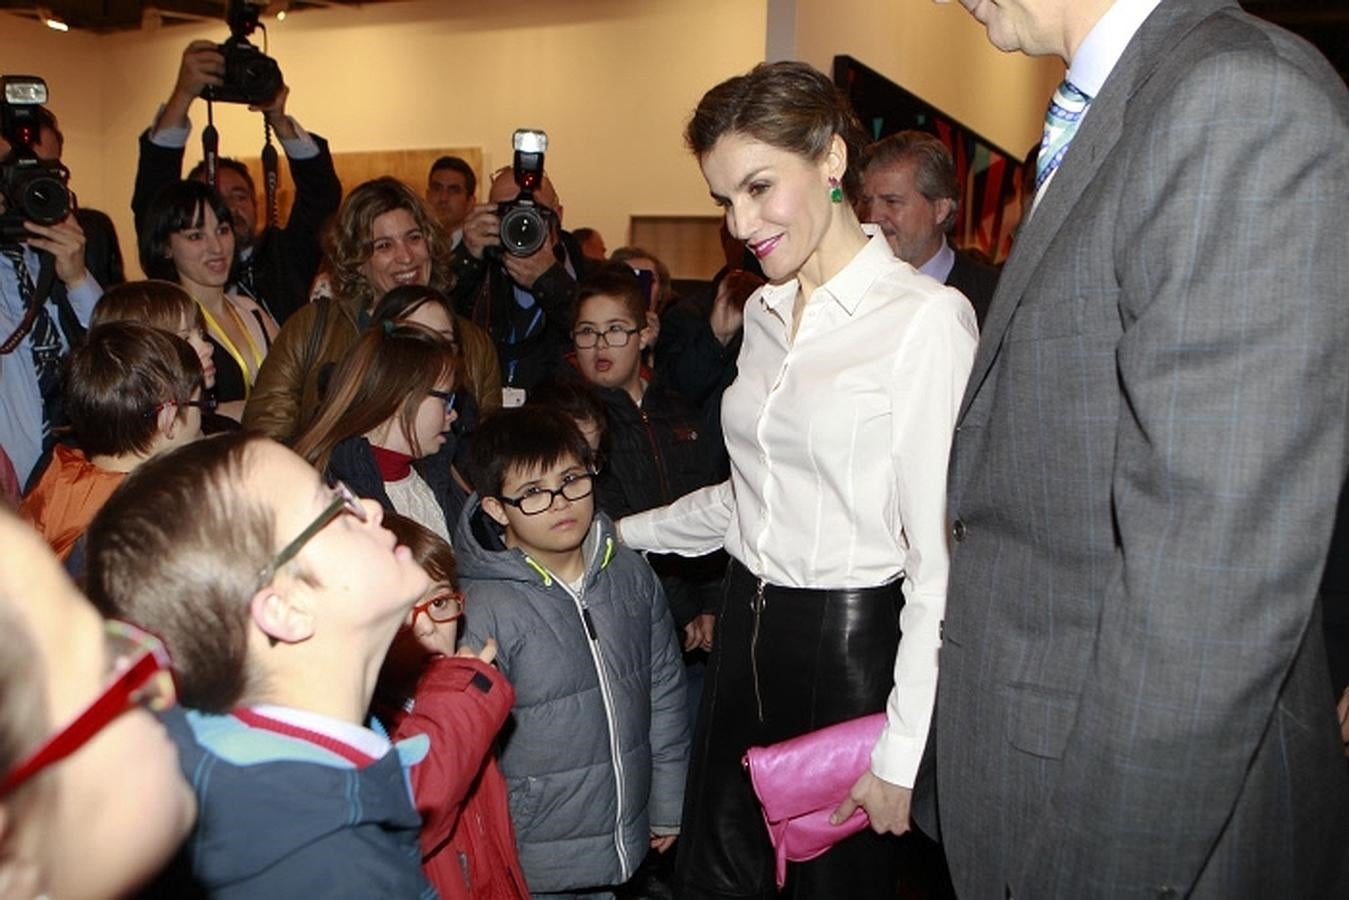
(64, 501)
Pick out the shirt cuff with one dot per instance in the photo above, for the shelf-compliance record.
(170, 137)
(83, 296)
(302, 146)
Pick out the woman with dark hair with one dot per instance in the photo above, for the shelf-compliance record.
(383, 237)
(384, 426)
(838, 428)
(188, 240)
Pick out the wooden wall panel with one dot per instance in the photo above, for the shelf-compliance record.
(689, 245)
(410, 166)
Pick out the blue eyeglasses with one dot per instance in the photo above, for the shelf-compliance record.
(449, 398)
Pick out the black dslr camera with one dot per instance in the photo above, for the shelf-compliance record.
(33, 189)
(251, 76)
(524, 222)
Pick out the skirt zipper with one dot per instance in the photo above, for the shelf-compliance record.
(757, 604)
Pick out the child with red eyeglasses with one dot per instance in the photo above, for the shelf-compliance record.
(92, 802)
(458, 701)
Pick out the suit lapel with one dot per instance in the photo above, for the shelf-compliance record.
(1099, 133)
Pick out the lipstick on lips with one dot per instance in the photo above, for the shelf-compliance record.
(765, 247)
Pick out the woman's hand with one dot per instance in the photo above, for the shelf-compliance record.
(887, 804)
(728, 308)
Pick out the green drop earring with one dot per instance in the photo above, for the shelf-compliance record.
(835, 190)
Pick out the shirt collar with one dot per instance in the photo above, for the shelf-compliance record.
(941, 263)
(848, 285)
(1105, 43)
(370, 743)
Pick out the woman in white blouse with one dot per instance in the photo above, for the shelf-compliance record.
(838, 428)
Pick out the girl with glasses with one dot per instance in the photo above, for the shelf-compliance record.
(458, 700)
(384, 428)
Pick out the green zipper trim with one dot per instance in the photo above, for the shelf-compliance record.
(547, 576)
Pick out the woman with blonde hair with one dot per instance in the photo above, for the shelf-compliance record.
(383, 237)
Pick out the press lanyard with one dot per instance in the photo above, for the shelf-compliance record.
(214, 328)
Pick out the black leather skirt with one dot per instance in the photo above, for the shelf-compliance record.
(784, 661)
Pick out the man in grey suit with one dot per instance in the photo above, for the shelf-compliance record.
(1133, 697)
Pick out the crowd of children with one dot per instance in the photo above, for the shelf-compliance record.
(336, 735)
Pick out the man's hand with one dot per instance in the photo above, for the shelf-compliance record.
(698, 632)
(482, 229)
(65, 242)
(887, 804)
(274, 111)
(728, 308)
(525, 270)
(202, 66)
(486, 654)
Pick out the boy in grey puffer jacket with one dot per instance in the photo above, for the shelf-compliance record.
(596, 751)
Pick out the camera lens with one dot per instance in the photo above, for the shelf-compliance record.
(523, 230)
(43, 199)
(259, 78)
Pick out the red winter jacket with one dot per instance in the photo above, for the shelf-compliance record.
(468, 845)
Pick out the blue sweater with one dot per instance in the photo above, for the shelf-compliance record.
(279, 816)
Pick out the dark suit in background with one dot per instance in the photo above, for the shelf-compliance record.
(975, 280)
(102, 253)
(1133, 697)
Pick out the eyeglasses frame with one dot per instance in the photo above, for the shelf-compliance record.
(118, 696)
(518, 502)
(344, 500)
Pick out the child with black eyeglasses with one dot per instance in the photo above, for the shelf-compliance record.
(595, 756)
(132, 392)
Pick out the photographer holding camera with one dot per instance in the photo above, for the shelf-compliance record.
(523, 292)
(46, 291)
(276, 266)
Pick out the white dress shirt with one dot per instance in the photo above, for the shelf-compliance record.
(838, 444)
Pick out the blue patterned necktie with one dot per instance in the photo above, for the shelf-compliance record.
(1065, 114)
(45, 342)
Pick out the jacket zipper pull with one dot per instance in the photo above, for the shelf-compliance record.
(590, 623)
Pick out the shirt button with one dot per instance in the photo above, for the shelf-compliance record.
(958, 531)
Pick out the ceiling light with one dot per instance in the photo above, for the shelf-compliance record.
(55, 23)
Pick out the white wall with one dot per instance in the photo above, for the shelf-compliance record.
(939, 52)
(612, 81)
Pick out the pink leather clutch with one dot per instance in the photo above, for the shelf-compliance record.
(801, 781)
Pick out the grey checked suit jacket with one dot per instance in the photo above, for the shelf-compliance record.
(1133, 697)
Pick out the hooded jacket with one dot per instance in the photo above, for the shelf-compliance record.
(597, 747)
